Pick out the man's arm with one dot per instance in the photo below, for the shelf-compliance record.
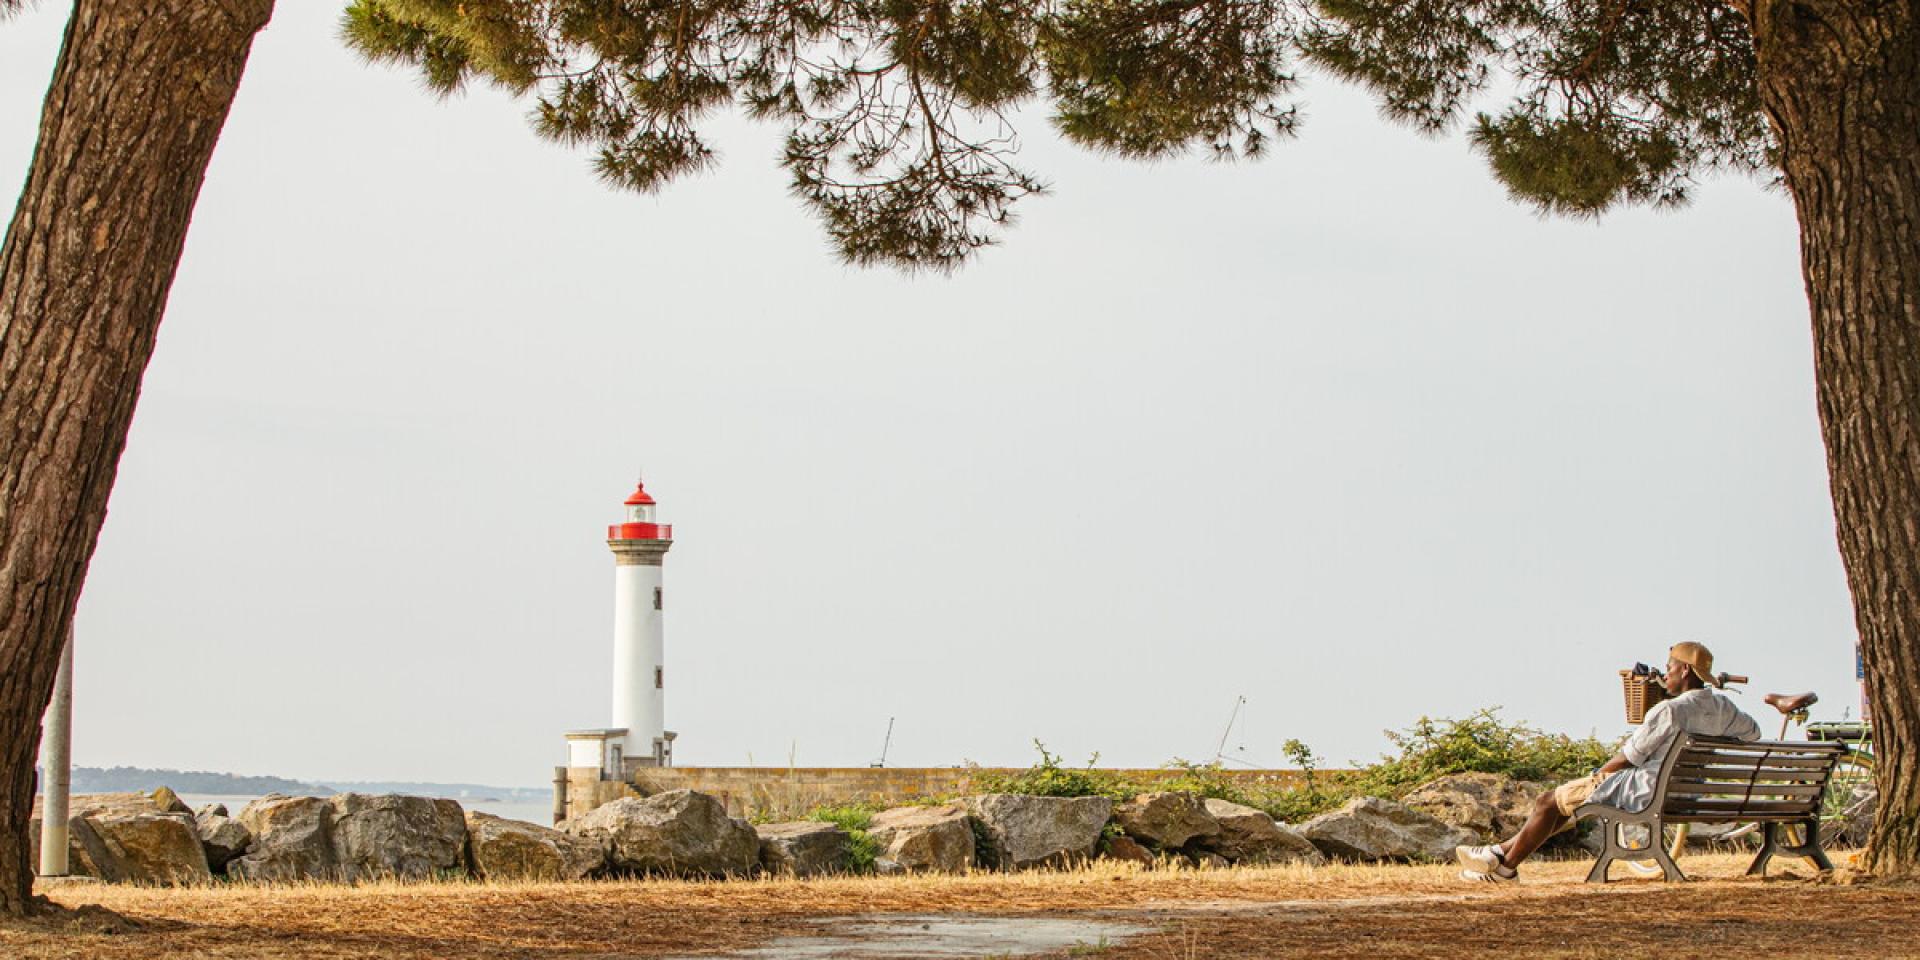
(1616, 764)
(1651, 740)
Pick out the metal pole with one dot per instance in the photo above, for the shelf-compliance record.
(59, 767)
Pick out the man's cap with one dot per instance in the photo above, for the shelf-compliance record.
(1697, 658)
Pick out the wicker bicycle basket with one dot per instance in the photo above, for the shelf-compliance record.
(1641, 692)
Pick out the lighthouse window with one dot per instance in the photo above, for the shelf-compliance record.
(657, 598)
(659, 678)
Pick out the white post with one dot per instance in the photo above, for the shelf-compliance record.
(59, 767)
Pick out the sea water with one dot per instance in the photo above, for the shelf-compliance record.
(540, 813)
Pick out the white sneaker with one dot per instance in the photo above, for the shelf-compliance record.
(1483, 864)
(1484, 859)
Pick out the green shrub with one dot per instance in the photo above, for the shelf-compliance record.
(1049, 779)
(846, 816)
(862, 850)
(855, 819)
(1480, 743)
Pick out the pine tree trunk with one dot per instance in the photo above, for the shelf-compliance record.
(137, 101)
(1841, 83)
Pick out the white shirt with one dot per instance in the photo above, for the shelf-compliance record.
(1702, 712)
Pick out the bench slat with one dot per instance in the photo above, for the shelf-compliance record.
(1733, 809)
(1724, 743)
(1717, 817)
(1750, 772)
(1691, 757)
(1679, 788)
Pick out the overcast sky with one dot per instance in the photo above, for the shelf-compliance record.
(1344, 431)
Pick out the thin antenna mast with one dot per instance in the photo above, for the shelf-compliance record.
(1221, 750)
(886, 745)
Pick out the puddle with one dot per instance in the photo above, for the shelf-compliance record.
(904, 937)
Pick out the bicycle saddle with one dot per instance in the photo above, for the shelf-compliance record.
(1791, 702)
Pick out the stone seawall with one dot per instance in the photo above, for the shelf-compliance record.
(789, 792)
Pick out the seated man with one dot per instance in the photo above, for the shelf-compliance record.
(1627, 780)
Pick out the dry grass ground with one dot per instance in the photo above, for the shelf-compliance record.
(1374, 912)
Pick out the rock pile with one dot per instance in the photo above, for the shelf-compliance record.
(681, 833)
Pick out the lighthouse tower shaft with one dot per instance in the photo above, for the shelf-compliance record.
(639, 648)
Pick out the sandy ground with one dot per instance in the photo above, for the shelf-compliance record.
(1107, 911)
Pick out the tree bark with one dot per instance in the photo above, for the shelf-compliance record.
(1841, 84)
(136, 104)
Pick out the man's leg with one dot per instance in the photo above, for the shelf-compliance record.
(1552, 812)
(1545, 821)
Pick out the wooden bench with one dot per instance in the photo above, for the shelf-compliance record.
(1777, 784)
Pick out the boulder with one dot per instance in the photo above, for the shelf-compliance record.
(1022, 831)
(129, 838)
(222, 837)
(1369, 828)
(1126, 849)
(1248, 835)
(802, 848)
(676, 833)
(155, 848)
(503, 849)
(923, 839)
(87, 856)
(1492, 805)
(1165, 821)
(292, 840)
(393, 836)
(213, 809)
(166, 801)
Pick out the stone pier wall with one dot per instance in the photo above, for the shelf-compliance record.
(788, 792)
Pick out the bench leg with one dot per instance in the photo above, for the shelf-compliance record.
(1809, 845)
(1769, 843)
(1609, 841)
(1815, 851)
(1658, 845)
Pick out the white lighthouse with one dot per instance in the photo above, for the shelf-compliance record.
(639, 548)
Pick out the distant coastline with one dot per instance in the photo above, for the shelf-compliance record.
(143, 779)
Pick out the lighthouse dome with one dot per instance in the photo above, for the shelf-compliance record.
(640, 505)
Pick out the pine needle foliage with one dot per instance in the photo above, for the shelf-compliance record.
(899, 114)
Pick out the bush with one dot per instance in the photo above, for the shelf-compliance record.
(1478, 743)
(1049, 779)
(854, 818)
